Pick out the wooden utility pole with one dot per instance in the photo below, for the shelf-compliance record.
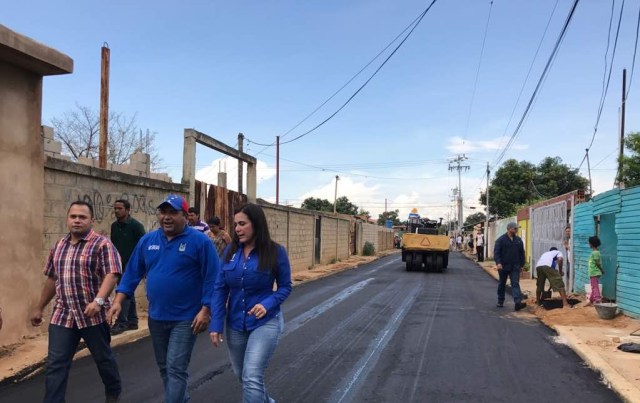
(240, 147)
(104, 107)
(622, 112)
(277, 170)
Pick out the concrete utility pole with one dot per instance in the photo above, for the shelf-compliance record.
(104, 107)
(486, 221)
(277, 170)
(335, 195)
(240, 173)
(622, 117)
(589, 169)
(455, 165)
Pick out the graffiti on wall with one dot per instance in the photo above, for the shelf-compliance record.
(103, 205)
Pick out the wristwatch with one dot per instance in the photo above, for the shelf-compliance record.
(99, 301)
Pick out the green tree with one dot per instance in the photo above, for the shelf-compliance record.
(344, 206)
(389, 215)
(474, 219)
(311, 203)
(630, 174)
(364, 212)
(520, 183)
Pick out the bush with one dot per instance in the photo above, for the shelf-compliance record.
(368, 249)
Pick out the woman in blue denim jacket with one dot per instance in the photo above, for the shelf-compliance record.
(250, 266)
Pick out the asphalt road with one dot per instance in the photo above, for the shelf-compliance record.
(376, 334)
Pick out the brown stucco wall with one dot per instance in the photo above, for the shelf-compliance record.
(21, 180)
(23, 63)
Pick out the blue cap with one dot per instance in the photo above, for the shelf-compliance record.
(176, 202)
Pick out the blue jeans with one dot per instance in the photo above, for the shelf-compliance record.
(250, 353)
(129, 313)
(514, 276)
(172, 344)
(63, 343)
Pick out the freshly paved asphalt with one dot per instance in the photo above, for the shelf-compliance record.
(377, 334)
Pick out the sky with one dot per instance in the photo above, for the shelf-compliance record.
(261, 67)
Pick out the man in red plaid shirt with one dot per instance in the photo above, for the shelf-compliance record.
(82, 270)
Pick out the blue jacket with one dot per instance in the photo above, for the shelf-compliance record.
(180, 273)
(244, 286)
(509, 252)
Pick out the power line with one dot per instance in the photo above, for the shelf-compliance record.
(368, 80)
(540, 81)
(526, 79)
(475, 84)
(417, 19)
(608, 79)
(635, 49)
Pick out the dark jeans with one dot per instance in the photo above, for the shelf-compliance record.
(128, 314)
(514, 275)
(63, 343)
(172, 344)
(480, 252)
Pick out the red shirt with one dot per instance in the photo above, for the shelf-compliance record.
(79, 271)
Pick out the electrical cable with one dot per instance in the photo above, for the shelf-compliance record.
(526, 79)
(368, 80)
(540, 81)
(475, 84)
(345, 84)
(608, 80)
(635, 50)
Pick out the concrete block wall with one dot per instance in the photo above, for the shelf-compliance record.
(380, 237)
(343, 239)
(66, 181)
(295, 229)
(278, 221)
(301, 237)
(369, 234)
(329, 244)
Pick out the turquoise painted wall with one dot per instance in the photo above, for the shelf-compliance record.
(628, 231)
(583, 228)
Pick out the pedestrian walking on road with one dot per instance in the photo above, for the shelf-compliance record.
(549, 267)
(254, 321)
(126, 231)
(82, 269)
(470, 243)
(459, 242)
(180, 265)
(219, 237)
(480, 246)
(595, 270)
(509, 256)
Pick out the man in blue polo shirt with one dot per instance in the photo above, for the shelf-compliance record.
(180, 265)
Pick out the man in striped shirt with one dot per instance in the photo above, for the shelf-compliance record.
(82, 270)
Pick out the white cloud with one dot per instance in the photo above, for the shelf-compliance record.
(209, 174)
(459, 145)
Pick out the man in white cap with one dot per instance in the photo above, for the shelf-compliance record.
(509, 256)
